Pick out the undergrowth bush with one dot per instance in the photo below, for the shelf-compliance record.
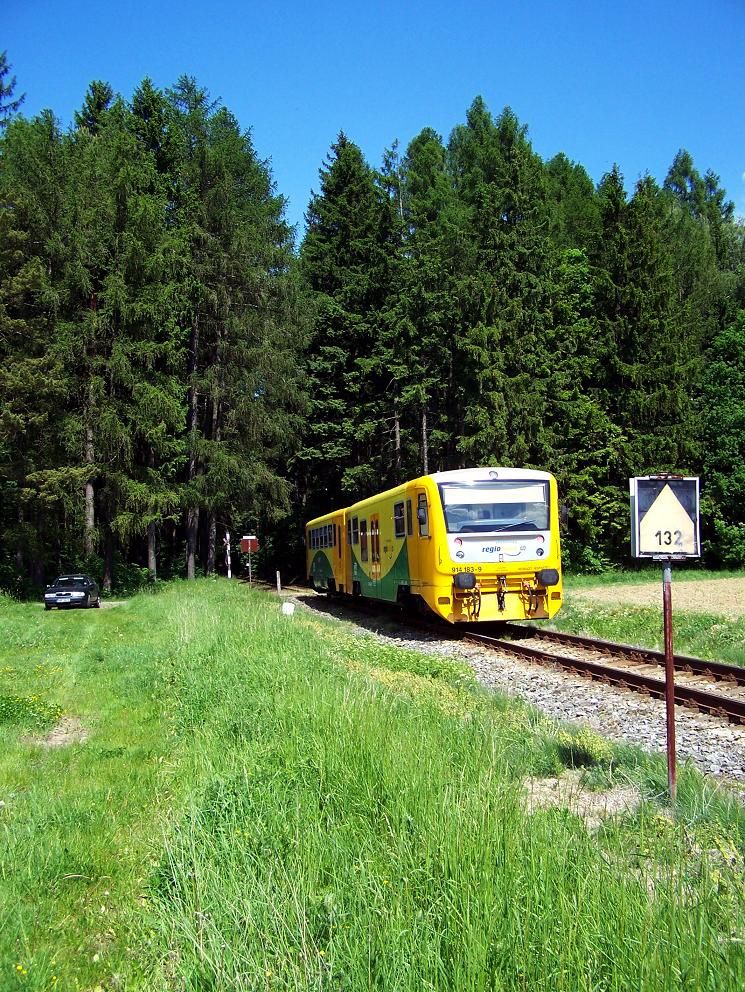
(584, 747)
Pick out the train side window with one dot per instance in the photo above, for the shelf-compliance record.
(363, 540)
(409, 519)
(421, 515)
(399, 527)
(355, 531)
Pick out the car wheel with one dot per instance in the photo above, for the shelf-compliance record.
(97, 604)
(47, 606)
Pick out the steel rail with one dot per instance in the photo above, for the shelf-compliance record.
(718, 670)
(701, 699)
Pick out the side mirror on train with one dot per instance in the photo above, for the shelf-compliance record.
(421, 515)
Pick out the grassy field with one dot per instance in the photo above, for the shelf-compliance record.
(270, 803)
(704, 633)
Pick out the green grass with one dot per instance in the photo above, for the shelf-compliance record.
(702, 635)
(273, 803)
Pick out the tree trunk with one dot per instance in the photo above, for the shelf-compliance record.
(108, 560)
(192, 512)
(152, 534)
(20, 557)
(192, 534)
(425, 450)
(211, 543)
(397, 442)
(90, 519)
(212, 521)
(152, 556)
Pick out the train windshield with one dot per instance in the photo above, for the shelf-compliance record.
(495, 507)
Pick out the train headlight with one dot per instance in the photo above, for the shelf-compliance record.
(547, 577)
(464, 580)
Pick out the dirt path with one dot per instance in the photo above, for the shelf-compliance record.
(722, 597)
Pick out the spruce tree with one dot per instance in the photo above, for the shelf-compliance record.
(9, 103)
(346, 263)
(505, 293)
(723, 471)
(38, 493)
(238, 308)
(425, 320)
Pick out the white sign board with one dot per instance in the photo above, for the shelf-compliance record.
(664, 517)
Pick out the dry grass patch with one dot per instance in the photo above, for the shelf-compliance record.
(723, 597)
(69, 730)
(568, 792)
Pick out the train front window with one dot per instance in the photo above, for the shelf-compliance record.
(495, 507)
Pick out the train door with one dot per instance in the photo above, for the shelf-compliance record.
(338, 552)
(352, 578)
(375, 553)
(418, 530)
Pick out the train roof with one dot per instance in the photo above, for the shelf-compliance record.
(486, 474)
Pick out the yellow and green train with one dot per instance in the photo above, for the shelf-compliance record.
(477, 544)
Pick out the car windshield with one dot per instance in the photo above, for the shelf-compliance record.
(70, 582)
(494, 507)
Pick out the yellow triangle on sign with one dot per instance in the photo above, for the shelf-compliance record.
(666, 527)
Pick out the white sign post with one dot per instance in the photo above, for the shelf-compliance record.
(226, 542)
(665, 527)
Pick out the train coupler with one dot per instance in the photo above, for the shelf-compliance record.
(501, 592)
(531, 596)
(467, 592)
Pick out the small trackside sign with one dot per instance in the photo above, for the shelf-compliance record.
(665, 517)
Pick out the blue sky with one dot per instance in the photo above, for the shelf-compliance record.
(628, 82)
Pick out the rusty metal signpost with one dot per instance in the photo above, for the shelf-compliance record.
(249, 546)
(665, 528)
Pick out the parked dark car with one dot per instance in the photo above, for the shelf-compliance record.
(72, 590)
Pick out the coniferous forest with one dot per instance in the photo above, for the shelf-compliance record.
(173, 366)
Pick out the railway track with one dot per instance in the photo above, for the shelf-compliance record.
(623, 665)
(629, 667)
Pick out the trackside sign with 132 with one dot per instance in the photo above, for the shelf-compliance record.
(664, 517)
